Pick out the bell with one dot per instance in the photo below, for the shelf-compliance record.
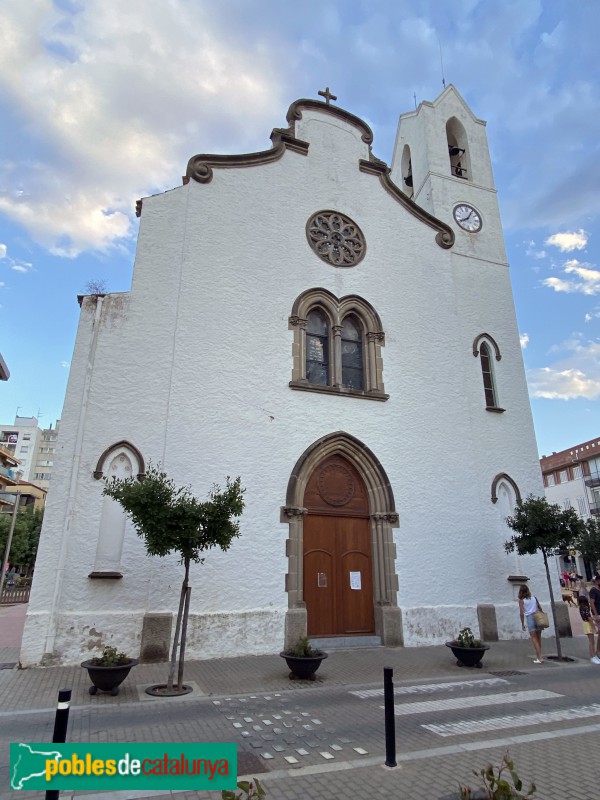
(408, 180)
(455, 151)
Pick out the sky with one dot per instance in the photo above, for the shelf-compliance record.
(103, 102)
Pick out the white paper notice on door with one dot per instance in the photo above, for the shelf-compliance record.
(355, 580)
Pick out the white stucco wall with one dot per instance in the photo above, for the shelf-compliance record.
(192, 367)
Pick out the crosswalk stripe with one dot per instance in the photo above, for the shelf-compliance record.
(426, 706)
(497, 723)
(430, 688)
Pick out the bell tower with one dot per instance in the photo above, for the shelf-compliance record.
(442, 162)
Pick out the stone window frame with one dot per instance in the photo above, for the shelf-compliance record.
(335, 311)
(504, 477)
(489, 383)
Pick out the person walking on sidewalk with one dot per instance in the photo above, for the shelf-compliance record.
(588, 627)
(595, 611)
(528, 605)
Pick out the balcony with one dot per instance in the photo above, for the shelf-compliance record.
(595, 509)
(592, 480)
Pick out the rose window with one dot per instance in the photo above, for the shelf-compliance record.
(336, 238)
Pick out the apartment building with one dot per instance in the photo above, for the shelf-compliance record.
(572, 478)
(33, 446)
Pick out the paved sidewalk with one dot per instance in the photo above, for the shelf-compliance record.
(427, 775)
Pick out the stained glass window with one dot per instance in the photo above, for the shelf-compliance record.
(352, 355)
(317, 348)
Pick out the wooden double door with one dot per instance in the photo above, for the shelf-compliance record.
(338, 581)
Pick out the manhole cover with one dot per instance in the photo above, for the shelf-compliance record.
(249, 764)
(505, 672)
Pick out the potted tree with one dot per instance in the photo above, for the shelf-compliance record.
(303, 659)
(467, 650)
(108, 671)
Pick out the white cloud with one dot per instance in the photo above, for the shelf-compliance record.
(524, 339)
(568, 241)
(533, 252)
(65, 364)
(2, 250)
(22, 266)
(586, 281)
(113, 102)
(577, 374)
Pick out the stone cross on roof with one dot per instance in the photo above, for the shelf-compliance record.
(327, 95)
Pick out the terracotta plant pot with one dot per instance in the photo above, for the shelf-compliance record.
(468, 656)
(304, 667)
(108, 679)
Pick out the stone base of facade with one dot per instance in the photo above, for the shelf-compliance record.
(257, 632)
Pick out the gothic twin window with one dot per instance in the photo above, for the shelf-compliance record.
(317, 351)
(337, 345)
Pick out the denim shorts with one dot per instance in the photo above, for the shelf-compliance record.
(531, 623)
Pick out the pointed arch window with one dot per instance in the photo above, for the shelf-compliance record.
(337, 345)
(488, 377)
(352, 354)
(121, 460)
(317, 348)
(484, 346)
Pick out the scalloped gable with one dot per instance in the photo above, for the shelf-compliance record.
(335, 133)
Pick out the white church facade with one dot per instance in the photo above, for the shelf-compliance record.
(341, 335)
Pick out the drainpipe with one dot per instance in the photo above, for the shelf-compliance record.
(61, 567)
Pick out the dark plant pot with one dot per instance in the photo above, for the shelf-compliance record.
(468, 656)
(303, 667)
(108, 679)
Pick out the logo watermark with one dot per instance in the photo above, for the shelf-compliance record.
(198, 765)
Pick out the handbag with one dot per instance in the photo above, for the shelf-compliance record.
(540, 617)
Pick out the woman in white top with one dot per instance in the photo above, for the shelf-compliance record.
(528, 605)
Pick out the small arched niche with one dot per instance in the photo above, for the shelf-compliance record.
(458, 150)
(407, 173)
(121, 460)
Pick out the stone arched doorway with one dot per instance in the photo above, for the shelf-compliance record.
(337, 570)
(340, 510)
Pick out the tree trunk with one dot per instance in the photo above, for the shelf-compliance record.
(186, 610)
(174, 649)
(556, 634)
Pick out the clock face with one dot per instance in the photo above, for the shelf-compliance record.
(468, 219)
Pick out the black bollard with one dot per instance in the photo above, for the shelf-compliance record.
(60, 729)
(390, 719)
